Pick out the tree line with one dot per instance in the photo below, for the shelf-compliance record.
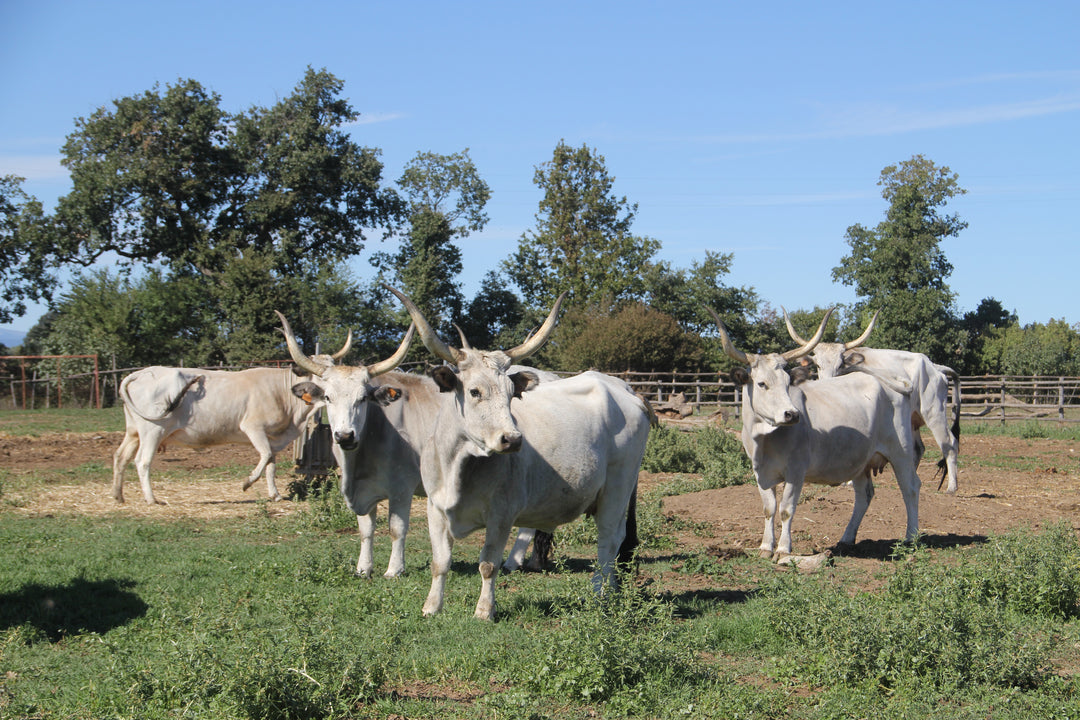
(210, 220)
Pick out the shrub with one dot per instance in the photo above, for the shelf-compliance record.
(712, 452)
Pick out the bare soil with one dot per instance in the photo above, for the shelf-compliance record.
(1004, 483)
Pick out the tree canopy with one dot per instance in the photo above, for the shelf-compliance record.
(899, 267)
(26, 266)
(582, 242)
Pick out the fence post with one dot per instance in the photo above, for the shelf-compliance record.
(1061, 399)
(1002, 400)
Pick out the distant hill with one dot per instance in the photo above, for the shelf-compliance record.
(11, 338)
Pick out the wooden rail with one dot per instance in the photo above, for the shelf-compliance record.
(1002, 398)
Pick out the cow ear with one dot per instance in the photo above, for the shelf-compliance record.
(800, 374)
(524, 381)
(445, 378)
(384, 394)
(309, 392)
(299, 371)
(739, 376)
(853, 358)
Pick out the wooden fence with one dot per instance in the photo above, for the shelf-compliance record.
(75, 381)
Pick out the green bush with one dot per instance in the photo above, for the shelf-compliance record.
(932, 625)
(712, 452)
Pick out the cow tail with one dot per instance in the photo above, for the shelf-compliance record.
(955, 429)
(628, 549)
(172, 405)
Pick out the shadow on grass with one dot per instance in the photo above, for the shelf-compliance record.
(80, 606)
(884, 550)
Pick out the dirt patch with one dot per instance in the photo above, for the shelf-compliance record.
(1004, 483)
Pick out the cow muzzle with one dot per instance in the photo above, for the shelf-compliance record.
(509, 442)
(790, 417)
(346, 439)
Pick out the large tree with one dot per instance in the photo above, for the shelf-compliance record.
(171, 176)
(899, 266)
(445, 196)
(582, 242)
(25, 266)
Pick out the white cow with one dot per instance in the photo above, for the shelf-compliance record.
(506, 450)
(200, 408)
(379, 420)
(827, 432)
(929, 383)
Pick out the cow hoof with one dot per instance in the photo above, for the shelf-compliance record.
(765, 554)
(276, 498)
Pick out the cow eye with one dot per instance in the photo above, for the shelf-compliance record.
(475, 393)
(763, 385)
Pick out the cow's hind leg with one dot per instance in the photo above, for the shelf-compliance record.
(517, 552)
(148, 445)
(864, 493)
(123, 455)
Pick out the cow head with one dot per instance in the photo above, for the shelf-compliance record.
(343, 390)
(482, 385)
(834, 359)
(766, 381)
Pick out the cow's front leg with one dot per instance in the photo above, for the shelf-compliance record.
(768, 538)
(271, 485)
(491, 554)
(790, 499)
(366, 525)
(442, 545)
(399, 528)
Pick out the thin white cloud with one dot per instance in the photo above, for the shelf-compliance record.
(374, 118)
(33, 167)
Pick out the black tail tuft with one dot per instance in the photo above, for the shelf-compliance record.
(627, 551)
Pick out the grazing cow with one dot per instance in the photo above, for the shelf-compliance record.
(200, 408)
(506, 449)
(827, 432)
(379, 420)
(929, 383)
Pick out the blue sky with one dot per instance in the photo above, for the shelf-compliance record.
(746, 128)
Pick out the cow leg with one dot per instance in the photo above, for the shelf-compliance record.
(271, 486)
(909, 483)
(261, 443)
(949, 445)
(864, 493)
(148, 445)
(495, 539)
(610, 531)
(517, 552)
(442, 545)
(768, 538)
(788, 503)
(123, 455)
(399, 528)
(366, 526)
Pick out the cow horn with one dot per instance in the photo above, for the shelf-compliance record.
(464, 343)
(344, 348)
(808, 346)
(298, 356)
(791, 329)
(431, 339)
(537, 341)
(394, 360)
(729, 347)
(862, 338)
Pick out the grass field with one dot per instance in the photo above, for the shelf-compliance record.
(262, 617)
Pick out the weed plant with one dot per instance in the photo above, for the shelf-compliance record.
(715, 454)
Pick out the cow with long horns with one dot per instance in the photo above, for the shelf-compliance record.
(826, 432)
(507, 450)
(928, 380)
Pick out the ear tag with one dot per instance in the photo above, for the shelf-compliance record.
(306, 397)
(393, 393)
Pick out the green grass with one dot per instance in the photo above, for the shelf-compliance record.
(64, 420)
(261, 617)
